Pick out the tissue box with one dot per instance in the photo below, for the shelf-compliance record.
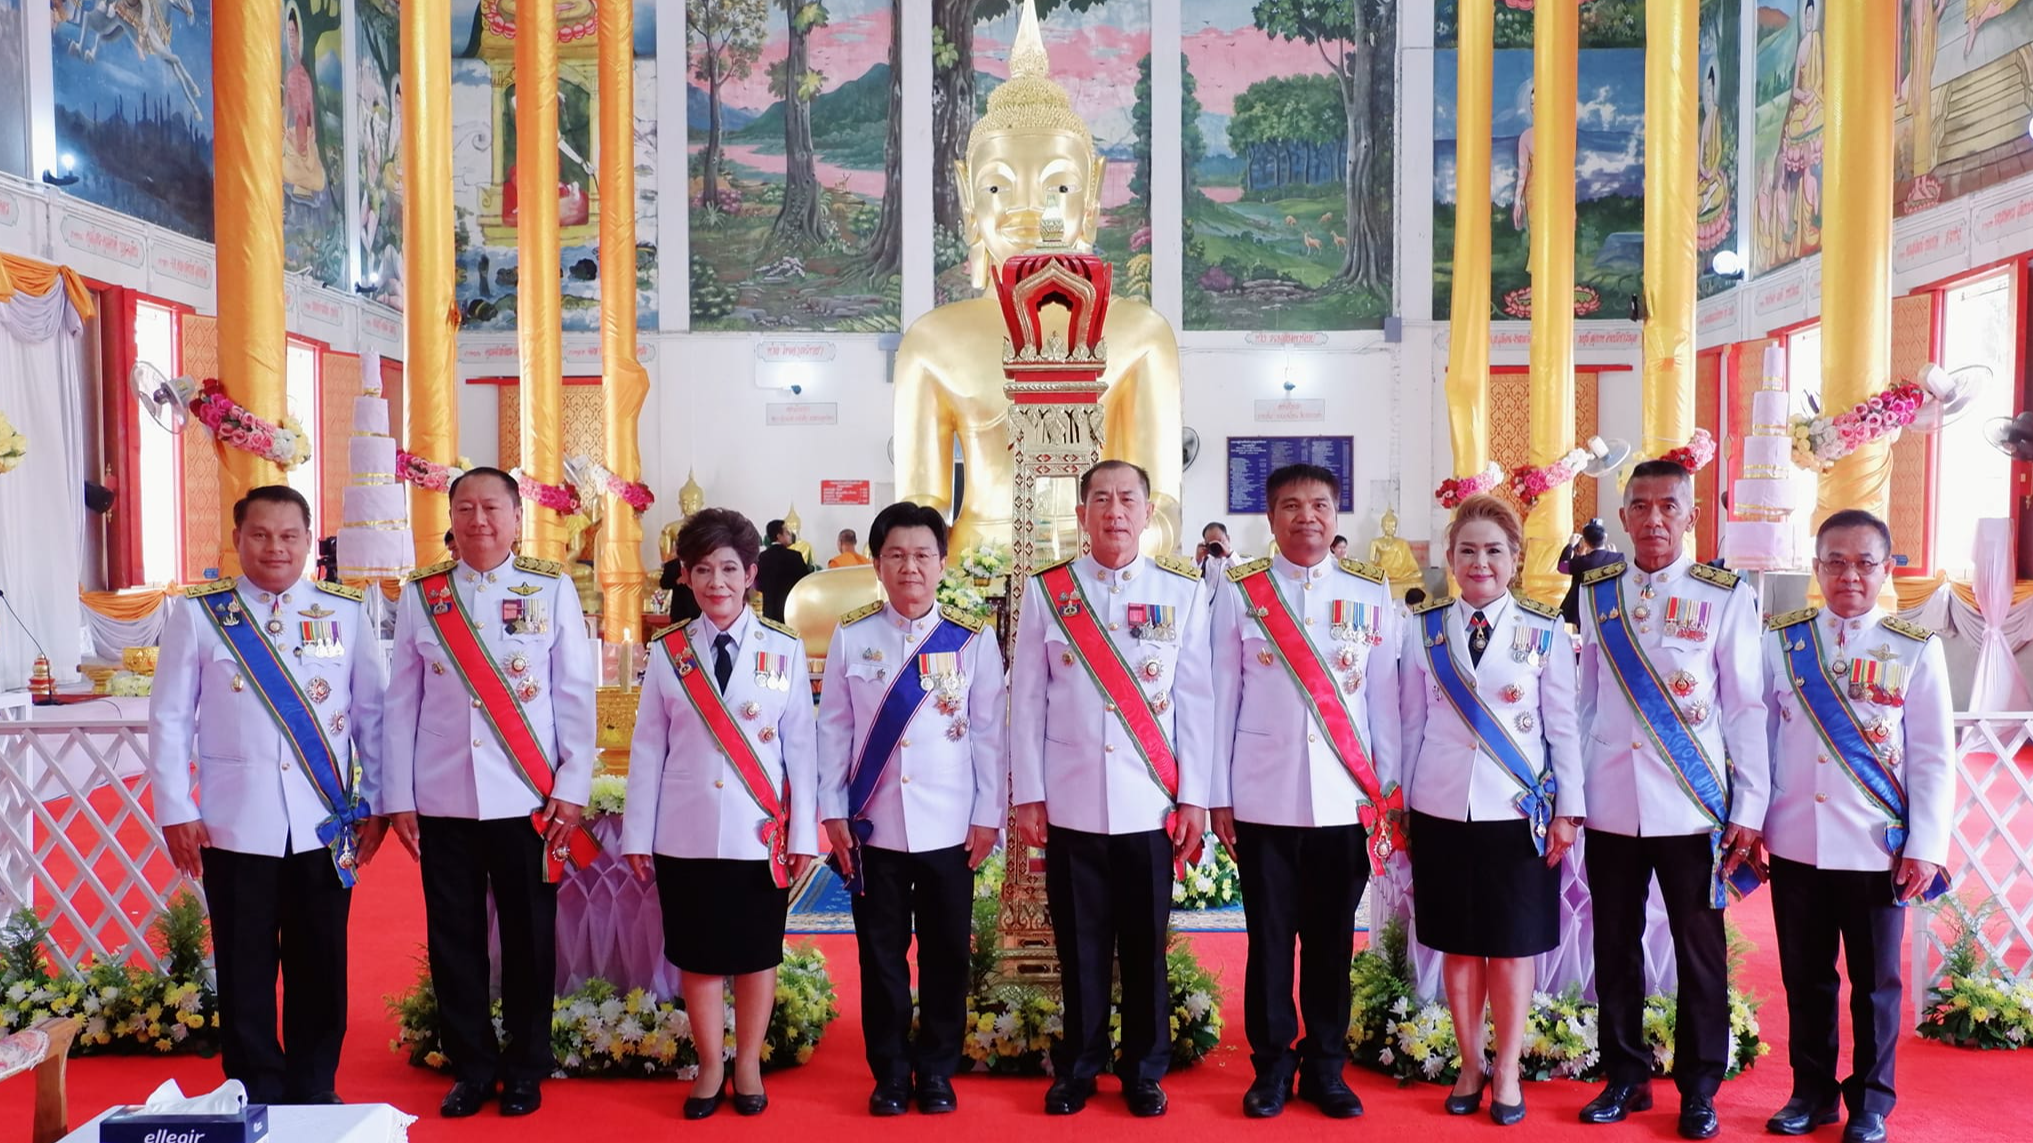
(137, 1125)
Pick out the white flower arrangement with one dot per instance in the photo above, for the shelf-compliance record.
(610, 795)
(13, 446)
(958, 590)
(1212, 883)
(989, 561)
(126, 1008)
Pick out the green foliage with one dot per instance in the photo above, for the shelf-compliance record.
(21, 947)
(1975, 1003)
(730, 35)
(1313, 21)
(125, 1008)
(710, 298)
(181, 936)
(1193, 144)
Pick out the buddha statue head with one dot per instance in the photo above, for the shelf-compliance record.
(1390, 523)
(1031, 169)
(691, 499)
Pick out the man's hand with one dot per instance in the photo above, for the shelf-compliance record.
(1914, 877)
(842, 840)
(185, 843)
(369, 835)
(1030, 823)
(800, 862)
(1189, 833)
(560, 819)
(1222, 821)
(980, 843)
(1560, 839)
(403, 826)
(643, 864)
(1737, 844)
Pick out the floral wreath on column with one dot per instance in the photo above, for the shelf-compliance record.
(428, 475)
(560, 498)
(1820, 441)
(1455, 489)
(13, 446)
(1696, 454)
(286, 444)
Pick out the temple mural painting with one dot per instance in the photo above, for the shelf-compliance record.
(313, 141)
(1964, 95)
(378, 89)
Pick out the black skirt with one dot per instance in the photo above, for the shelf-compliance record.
(1480, 889)
(721, 918)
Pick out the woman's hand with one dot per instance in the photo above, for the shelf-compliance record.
(643, 864)
(1560, 839)
(800, 862)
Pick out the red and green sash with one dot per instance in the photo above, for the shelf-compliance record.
(1384, 815)
(1112, 674)
(477, 669)
(712, 709)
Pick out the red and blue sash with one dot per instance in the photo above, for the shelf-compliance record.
(1384, 816)
(774, 829)
(286, 704)
(1536, 800)
(1703, 782)
(1835, 721)
(900, 704)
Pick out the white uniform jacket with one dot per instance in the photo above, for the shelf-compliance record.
(443, 759)
(685, 799)
(255, 796)
(1067, 748)
(1273, 764)
(1530, 691)
(950, 769)
(1632, 790)
(1819, 816)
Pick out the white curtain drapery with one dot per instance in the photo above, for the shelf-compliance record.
(1998, 683)
(42, 530)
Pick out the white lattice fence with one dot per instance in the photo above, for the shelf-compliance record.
(1990, 848)
(77, 845)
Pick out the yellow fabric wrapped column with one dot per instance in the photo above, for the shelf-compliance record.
(1672, 126)
(430, 327)
(1468, 311)
(247, 206)
(1556, 62)
(537, 304)
(625, 386)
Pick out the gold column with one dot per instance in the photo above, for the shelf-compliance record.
(1468, 314)
(1672, 127)
(1856, 243)
(430, 326)
(247, 207)
(1556, 37)
(538, 333)
(624, 384)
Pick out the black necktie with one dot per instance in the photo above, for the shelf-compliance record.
(1478, 638)
(723, 660)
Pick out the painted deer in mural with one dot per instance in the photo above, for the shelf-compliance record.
(146, 24)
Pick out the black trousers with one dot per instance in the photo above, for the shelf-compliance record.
(1110, 896)
(1299, 884)
(1620, 872)
(287, 913)
(937, 890)
(1812, 910)
(463, 860)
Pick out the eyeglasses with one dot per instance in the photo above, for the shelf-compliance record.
(1840, 569)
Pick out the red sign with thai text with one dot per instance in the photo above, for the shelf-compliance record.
(843, 492)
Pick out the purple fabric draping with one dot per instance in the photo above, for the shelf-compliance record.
(611, 925)
(1998, 684)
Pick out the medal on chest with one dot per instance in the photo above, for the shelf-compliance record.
(320, 638)
(439, 598)
(1882, 681)
(772, 672)
(1688, 618)
(1153, 622)
(940, 671)
(1356, 622)
(1530, 645)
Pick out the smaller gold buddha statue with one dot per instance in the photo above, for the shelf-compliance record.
(798, 544)
(1394, 555)
(691, 499)
(580, 531)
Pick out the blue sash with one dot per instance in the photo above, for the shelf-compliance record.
(1836, 722)
(1536, 802)
(1656, 712)
(284, 701)
(907, 692)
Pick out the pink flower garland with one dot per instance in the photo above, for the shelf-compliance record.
(413, 469)
(1455, 489)
(283, 444)
(1528, 484)
(1696, 454)
(1818, 442)
(636, 496)
(560, 498)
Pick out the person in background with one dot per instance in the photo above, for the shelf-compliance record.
(684, 605)
(778, 569)
(1339, 548)
(451, 544)
(849, 555)
(1414, 596)
(1586, 550)
(722, 800)
(1214, 554)
(1855, 842)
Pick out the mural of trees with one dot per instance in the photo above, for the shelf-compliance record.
(802, 222)
(728, 35)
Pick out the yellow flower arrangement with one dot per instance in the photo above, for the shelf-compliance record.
(13, 446)
(126, 1008)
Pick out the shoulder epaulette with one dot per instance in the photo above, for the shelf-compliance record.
(773, 625)
(1720, 577)
(332, 587)
(226, 583)
(658, 637)
(1363, 570)
(1606, 571)
(965, 619)
(1433, 604)
(1542, 610)
(434, 569)
(1239, 572)
(1178, 565)
(861, 613)
(535, 566)
(1910, 630)
(1787, 619)
(1058, 564)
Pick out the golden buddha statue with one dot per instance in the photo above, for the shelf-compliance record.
(1394, 555)
(691, 499)
(798, 543)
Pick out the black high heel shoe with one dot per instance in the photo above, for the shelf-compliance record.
(1468, 1104)
(750, 1104)
(701, 1108)
(1505, 1114)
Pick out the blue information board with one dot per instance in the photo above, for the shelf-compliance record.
(1251, 460)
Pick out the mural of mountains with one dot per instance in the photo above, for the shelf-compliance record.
(854, 106)
(698, 109)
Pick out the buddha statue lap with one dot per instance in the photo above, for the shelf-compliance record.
(1394, 555)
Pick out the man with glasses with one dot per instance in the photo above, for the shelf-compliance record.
(1858, 827)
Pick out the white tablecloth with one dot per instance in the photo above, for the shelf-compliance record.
(358, 1123)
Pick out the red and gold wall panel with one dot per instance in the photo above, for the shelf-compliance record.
(332, 451)
(1510, 430)
(1913, 454)
(204, 530)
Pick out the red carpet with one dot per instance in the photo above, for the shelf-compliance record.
(1947, 1095)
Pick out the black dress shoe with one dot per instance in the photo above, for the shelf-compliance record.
(697, 1107)
(749, 1104)
(935, 1095)
(1068, 1096)
(1266, 1098)
(1467, 1104)
(1864, 1127)
(1146, 1099)
(892, 1097)
(521, 1097)
(1507, 1114)
(1332, 1096)
(465, 1099)
(1698, 1119)
(1616, 1101)
(1801, 1115)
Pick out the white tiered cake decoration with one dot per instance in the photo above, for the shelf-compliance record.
(374, 538)
(1762, 540)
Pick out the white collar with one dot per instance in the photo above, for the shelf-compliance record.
(1493, 611)
(1667, 574)
(1292, 570)
(706, 631)
(1123, 574)
(902, 622)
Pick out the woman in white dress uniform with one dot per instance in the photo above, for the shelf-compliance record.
(1487, 835)
(722, 865)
